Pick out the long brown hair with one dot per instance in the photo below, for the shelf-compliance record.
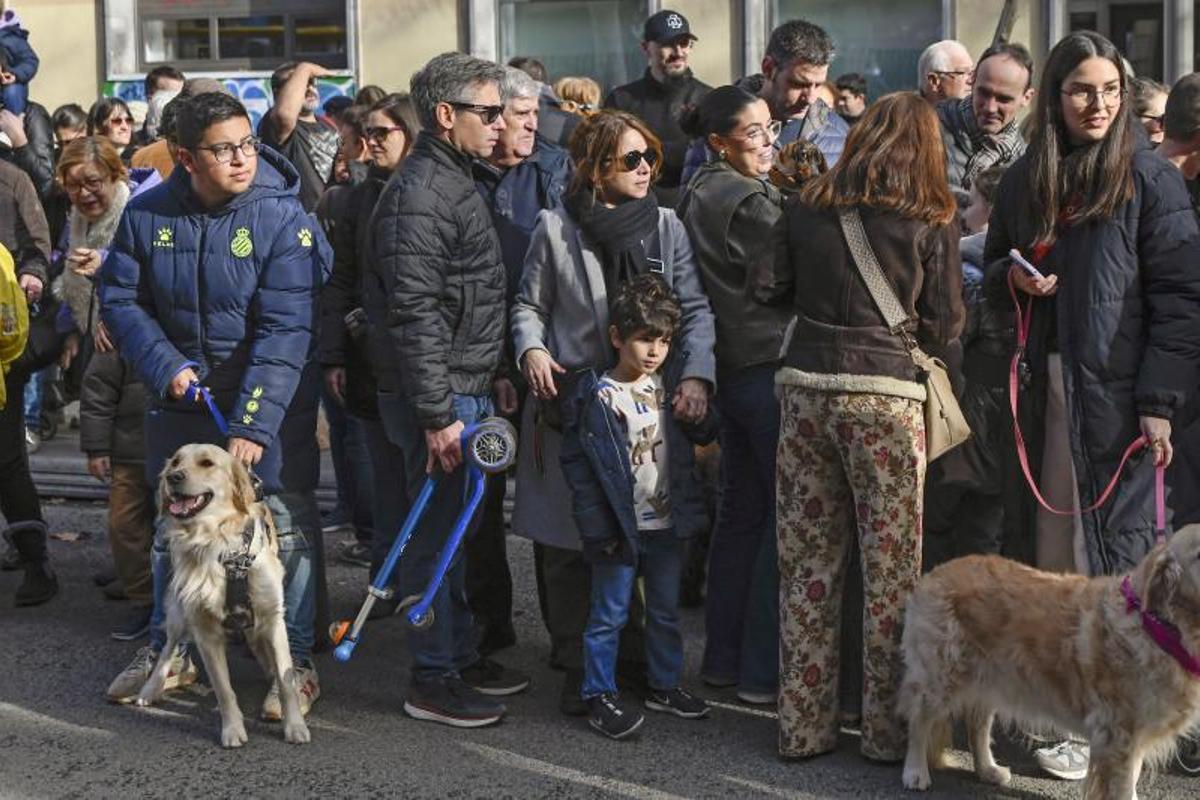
(595, 142)
(893, 160)
(1098, 174)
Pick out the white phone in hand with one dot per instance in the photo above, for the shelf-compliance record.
(1016, 256)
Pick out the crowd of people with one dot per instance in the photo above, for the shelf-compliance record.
(628, 281)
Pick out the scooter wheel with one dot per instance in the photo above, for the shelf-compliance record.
(423, 622)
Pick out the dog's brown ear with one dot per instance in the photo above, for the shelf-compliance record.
(1162, 582)
(163, 496)
(244, 495)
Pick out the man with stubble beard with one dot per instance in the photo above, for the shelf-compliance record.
(661, 94)
(292, 128)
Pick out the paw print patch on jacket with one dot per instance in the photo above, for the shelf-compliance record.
(305, 236)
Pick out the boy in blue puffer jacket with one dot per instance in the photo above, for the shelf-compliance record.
(630, 467)
(212, 279)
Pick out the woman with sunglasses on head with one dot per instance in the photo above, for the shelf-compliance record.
(1114, 340)
(388, 130)
(609, 230)
(111, 118)
(730, 209)
(851, 457)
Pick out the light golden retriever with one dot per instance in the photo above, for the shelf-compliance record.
(207, 501)
(985, 637)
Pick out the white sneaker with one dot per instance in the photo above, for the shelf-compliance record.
(1067, 760)
(307, 685)
(125, 687)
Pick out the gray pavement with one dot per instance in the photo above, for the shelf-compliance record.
(58, 738)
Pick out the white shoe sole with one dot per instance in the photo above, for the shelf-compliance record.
(618, 736)
(1066, 775)
(416, 712)
(663, 707)
(503, 691)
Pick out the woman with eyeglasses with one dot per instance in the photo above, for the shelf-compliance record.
(851, 457)
(388, 130)
(1114, 341)
(111, 118)
(730, 209)
(1150, 105)
(609, 230)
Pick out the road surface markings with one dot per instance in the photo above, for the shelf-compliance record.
(155, 711)
(508, 758)
(17, 715)
(764, 788)
(754, 712)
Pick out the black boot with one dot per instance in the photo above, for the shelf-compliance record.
(29, 539)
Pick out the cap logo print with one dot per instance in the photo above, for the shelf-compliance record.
(674, 22)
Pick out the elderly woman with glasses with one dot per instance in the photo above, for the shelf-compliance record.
(609, 230)
(111, 118)
(730, 209)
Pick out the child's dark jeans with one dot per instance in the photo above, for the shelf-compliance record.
(660, 563)
(14, 97)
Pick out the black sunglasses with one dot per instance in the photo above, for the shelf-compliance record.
(635, 157)
(486, 113)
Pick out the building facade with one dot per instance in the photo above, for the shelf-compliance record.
(93, 46)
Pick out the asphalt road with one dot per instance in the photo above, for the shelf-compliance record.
(58, 738)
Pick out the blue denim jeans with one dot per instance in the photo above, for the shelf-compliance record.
(351, 465)
(15, 97)
(660, 563)
(298, 522)
(742, 607)
(448, 645)
(33, 402)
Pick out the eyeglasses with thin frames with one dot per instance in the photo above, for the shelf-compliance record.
(486, 113)
(1084, 96)
(760, 136)
(223, 152)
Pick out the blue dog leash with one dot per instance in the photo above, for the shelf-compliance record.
(195, 390)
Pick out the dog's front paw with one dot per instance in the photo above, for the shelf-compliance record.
(995, 774)
(234, 735)
(917, 779)
(296, 733)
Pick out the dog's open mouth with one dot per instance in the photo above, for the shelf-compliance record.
(188, 505)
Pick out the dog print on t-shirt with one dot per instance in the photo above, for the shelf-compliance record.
(641, 408)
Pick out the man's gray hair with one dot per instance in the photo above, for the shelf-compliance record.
(517, 84)
(449, 77)
(936, 58)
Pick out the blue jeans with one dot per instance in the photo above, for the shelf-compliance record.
(448, 645)
(660, 563)
(298, 521)
(351, 465)
(15, 97)
(742, 607)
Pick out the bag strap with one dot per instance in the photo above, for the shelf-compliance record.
(872, 274)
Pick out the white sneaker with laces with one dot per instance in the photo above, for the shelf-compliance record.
(125, 687)
(1067, 760)
(307, 685)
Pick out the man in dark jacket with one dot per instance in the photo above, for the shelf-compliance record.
(436, 307)
(212, 279)
(981, 130)
(660, 95)
(523, 175)
(24, 233)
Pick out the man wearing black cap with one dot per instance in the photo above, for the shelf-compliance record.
(660, 95)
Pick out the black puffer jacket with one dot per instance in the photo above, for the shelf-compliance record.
(436, 283)
(352, 255)
(36, 157)
(1127, 318)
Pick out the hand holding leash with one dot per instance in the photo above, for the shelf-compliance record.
(1158, 433)
(182, 383)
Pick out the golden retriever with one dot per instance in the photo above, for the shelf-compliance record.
(207, 502)
(987, 637)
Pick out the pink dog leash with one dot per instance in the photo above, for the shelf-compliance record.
(1164, 634)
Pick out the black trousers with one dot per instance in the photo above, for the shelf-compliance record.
(489, 580)
(18, 496)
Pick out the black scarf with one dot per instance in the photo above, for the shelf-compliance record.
(618, 234)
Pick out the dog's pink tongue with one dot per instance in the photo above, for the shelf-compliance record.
(179, 506)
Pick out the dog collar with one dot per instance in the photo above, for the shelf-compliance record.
(1164, 634)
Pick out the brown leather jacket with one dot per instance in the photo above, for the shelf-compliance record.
(839, 330)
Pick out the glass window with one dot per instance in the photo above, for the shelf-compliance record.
(1135, 28)
(251, 38)
(597, 38)
(880, 39)
(175, 40)
(321, 38)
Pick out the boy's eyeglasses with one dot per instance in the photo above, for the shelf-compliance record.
(223, 152)
(633, 158)
(486, 113)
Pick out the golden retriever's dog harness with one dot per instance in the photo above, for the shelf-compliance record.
(239, 612)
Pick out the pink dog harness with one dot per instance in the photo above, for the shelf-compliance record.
(1164, 634)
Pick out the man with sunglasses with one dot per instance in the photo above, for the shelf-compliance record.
(661, 94)
(212, 281)
(434, 297)
(292, 128)
(981, 130)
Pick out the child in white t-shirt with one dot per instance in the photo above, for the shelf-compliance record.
(629, 465)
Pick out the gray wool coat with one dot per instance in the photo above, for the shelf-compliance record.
(562, 307)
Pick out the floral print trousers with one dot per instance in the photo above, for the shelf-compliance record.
(848, 464)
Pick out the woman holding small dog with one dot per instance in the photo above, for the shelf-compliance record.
(1114, 340)
(851, 459)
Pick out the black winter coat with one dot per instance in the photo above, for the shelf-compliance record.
(1127, 317)
(37, 157)
(112, 409)
(659, 106)
(436, 283)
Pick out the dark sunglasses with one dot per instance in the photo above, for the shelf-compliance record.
(634, 157)
(381, 133)
(486, 113)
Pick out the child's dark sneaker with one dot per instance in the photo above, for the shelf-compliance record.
(678, 702)
(612, 718)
